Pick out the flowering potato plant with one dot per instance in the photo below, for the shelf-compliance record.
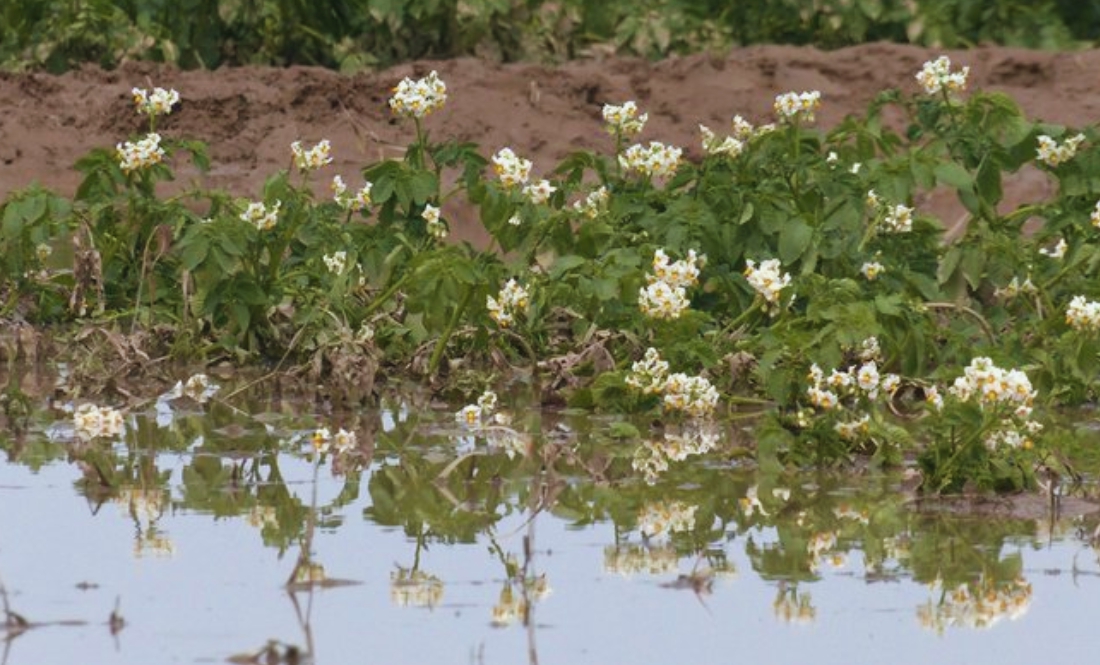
(632, 278)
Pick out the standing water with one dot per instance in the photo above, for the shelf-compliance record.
(200, 532)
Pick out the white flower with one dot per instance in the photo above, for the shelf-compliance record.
(436, 228)
(596, 202)
(936, 75)
(792, 106)
(693, 395)
(899, 219)
(140, 154)
(683, 273)
(1083, 315)
(336, 262)
(159, 102)
(487, 402)
(649, 374)
(768, 280)
(91, 421)
(1052, 154)
(260, 216)
(511, 170)
(469, 415)
(656, 159)
(539, 192)
(624, 120)
(661, 300)
(312, 159)
(511, 299)
(1057, 251)
(871, 270)
(416, 99)
(712, 145)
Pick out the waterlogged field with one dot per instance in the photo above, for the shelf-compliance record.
(789, 269)
(200, 527)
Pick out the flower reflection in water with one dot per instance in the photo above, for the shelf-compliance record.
(790, 606)
(415, 588)
(980, 604)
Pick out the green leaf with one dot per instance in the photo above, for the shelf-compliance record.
(954, 175)
(564, 264)
(194, 253)
(794, 238)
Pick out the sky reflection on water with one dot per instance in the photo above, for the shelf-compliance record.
(817, 569)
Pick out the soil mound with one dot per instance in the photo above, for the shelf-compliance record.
(249, 116)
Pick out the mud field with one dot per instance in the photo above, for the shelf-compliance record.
(249, 116)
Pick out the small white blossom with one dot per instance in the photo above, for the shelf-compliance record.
(624, 120)
(312, 159)
(140, 154)
(795, 106)
(260, 216)
(936, 75)
(416, 99)
(512, 170)
(158, 102)
(1052, 154)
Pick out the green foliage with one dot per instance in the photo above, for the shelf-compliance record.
(789, 267)
(352, 34)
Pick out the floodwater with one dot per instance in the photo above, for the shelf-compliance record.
(544, 541)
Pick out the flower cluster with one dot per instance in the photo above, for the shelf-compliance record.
(415, 588)
(140, 154)
(260, 216)
(628, 559)
(158, 102)
(767, 279)
(692, 395)
(994, 386)
(91, 421)
(665, 297)
(980, 606)
(596, 202)
(1015, 288)
(649, 374)
(416, 99)
(1095, 216)
(656, 159)
(360, 201)
(511, 170)
(1052, 154)
(795, 106)
(790, 606)
(539, 192)
(743, 129)
(341, 443)
(653, 457)
(936, 76)
(862, 381)
(511, 299)
(436, 228)
(897, 218)
(336, 262)
(624, 120)
(312, 159)
(512, 605)
(1083, 315)
(666, 517)
(712, 145)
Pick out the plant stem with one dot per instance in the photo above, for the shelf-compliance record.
(441, 345)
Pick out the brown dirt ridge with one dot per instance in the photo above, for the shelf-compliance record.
(249, 116)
